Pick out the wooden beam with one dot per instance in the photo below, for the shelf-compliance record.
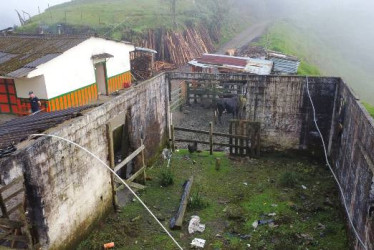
(129, 158)
(131, 184)
(13, 195)
(136, 175)
(15, 181)
(177, 220)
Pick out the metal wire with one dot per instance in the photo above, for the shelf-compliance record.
(332, 171)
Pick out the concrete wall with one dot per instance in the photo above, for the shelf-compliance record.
(352, 152)
(282, 106)
(67, 191)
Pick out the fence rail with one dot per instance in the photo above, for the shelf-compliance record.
(244, 137)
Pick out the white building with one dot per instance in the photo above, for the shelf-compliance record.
(63, 71)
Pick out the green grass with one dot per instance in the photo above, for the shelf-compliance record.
(285, 38)
(369, 108)
(238, 194)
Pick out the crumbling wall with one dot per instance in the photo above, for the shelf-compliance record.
(67, 190)
(282, 106)
(352, 152)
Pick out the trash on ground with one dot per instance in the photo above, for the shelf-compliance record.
(255, 224)
(136, 218)
(245, 183)
(245, 236)
(272, 214)
(263, 222)
(199, 243)
(195, 225)
(274, 205)
(248, 245)
(108, 245)
(166, 153)
(304, 187)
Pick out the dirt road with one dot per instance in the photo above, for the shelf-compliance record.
(245, 37)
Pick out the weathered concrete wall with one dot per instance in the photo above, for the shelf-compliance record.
(352, 152)
(282, 106)
(67, 190)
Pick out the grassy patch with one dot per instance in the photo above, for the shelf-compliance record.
(369, 108)
(287, 39)
(240, 193)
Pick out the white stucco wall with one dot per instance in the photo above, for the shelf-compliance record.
(36, 84)
(74, 69)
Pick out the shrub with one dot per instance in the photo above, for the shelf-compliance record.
(166, 178)
(196, 201)
(289, 179)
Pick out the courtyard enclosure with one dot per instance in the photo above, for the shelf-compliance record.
(67, 191)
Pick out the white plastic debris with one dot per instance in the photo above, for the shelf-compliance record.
(248, 245)
(255, 224)
(304, 187)
(272, 214)
(199, 243)
(195, 225)
(166, 154)
(245, 183)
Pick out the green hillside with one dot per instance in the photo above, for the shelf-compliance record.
(116, 17)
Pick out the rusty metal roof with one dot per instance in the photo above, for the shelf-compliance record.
(221, 60)
(18, 129)
(20, 54)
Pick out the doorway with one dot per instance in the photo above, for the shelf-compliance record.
(100, 73)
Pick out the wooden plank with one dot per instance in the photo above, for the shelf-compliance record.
(129, 158)
(177, 220)
(13, 195)
(172, 137)
(136, 175)
(111, 162)
(230, 138)
(15, 181)
(204, 132)
(207, 143)
(15, 208)
(131, 184)
(3, 207)
(10, 224)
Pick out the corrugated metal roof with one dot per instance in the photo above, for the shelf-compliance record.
(221, 60)
(18, 129)
(29, 51)
(146, 50)
(284, 65)
(6, 56)
(246, 64)
(259, 66)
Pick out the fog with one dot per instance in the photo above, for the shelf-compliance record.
(343, 28)
(8, 15)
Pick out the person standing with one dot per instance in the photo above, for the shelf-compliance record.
(34, 102)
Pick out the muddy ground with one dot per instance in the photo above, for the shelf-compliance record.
(196, 116)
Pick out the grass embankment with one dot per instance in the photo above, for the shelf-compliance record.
(285, 38)
(369, 108)
(114, 18)
(235, 196)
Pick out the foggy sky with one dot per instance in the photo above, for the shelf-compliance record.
(8, 16)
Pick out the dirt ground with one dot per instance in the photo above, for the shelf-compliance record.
(195, 116)
(245, 37)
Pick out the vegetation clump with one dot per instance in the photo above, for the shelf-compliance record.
(289, 179)
(166, 178)
(196, 201)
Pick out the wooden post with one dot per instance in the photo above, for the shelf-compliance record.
(172, 137)
(3, 207)
(241, 141)
(230, 139)
(211, 137)
(218, 163)
(143, 161)
(236, 139)
(188, 93)
(112, 164)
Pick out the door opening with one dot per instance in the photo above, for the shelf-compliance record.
(100, 72)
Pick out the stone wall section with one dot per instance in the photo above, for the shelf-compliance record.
(67, 190)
